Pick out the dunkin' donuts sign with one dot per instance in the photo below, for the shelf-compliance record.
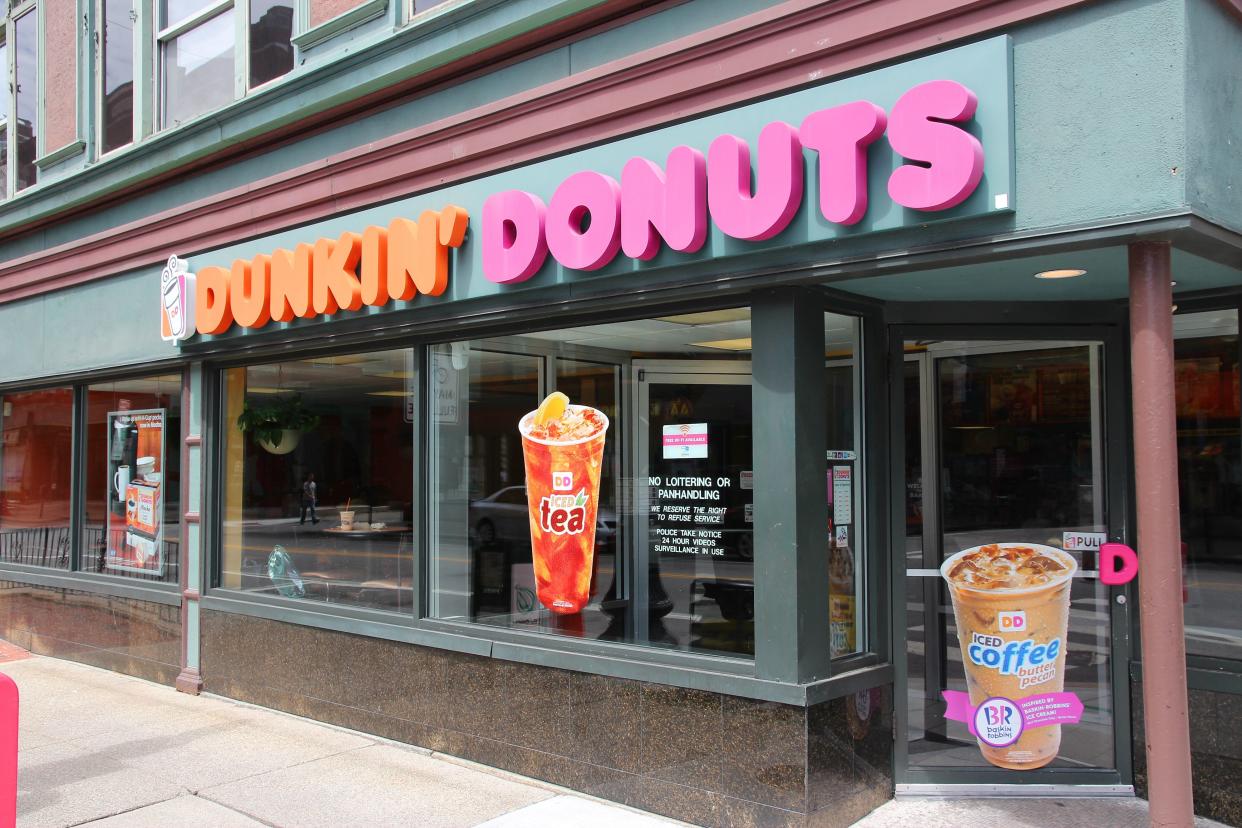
(812, 165)
(591, 217)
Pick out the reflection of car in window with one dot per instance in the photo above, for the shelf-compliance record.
(503, 516)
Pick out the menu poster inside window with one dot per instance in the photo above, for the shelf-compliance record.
(135, 515)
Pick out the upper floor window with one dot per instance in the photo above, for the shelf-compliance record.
(207, 60)
(5, 100)
(116, 72)
(26, 95)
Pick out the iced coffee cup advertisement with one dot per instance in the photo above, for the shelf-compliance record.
(1011, 606)
(134, 533)
(563, 450)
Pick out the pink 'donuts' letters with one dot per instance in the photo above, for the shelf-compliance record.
(591, 217)
(841, 136)
(954, 155)
(778, 183)
(584, 221)
(669, 204)
(514, 246)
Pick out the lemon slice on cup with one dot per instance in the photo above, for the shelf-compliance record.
(552, 408)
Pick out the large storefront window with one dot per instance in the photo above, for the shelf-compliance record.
(626, 517)
(318, 496)
(133, 478)
(625, 510)
(1210, 474)
(36, 453)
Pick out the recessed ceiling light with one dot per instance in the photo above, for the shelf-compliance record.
(1062, 273)
(725, 344)
(708, 317)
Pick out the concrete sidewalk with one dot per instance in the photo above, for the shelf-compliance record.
(1028, 812)
(97, 748)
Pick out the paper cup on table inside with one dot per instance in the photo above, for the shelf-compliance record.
(347, 519)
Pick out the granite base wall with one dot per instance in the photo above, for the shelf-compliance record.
(706, 758)
(1215, 752)
(138, 638)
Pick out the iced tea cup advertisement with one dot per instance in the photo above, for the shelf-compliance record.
(1011, 603)
(135, 527)
(563, 449)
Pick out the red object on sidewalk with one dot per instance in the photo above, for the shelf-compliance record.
(8, 752)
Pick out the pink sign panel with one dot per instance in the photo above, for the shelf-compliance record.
(1035, 711)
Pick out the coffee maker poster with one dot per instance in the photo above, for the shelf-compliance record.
(135, 513)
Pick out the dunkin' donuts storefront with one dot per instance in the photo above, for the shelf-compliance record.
(748, 468)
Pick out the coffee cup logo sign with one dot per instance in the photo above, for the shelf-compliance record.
(672, 205)
(176, 301)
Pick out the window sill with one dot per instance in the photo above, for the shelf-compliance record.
(729, 676)
(56, 156)
(356, 16)
(116, 586)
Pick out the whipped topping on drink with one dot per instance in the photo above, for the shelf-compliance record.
(997, 566)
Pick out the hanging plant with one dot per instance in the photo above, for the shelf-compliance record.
(277, 425)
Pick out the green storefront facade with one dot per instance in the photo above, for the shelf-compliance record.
(807, 414)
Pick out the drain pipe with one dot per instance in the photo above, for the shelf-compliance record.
(1159, 536)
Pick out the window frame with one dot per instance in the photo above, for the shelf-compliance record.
(139, 116)
(1223, 675)
(163, 32)
(732, 675)
(74, 578)
(9, 114)
(216, 427)
(15, 13)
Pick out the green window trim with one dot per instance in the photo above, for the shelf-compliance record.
(56, 156)
(363, 13)
(92, 582)
(46, 157)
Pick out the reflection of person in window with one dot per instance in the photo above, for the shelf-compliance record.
(310, 496)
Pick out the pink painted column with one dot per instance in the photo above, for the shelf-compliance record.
(1159, 536)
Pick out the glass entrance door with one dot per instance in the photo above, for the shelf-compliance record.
(1005, 463)
(693, 451)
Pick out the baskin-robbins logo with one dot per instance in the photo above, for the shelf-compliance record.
(998, 722)
(563, 514)
(176, 301)
(1032, 663)
(1011, 621)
